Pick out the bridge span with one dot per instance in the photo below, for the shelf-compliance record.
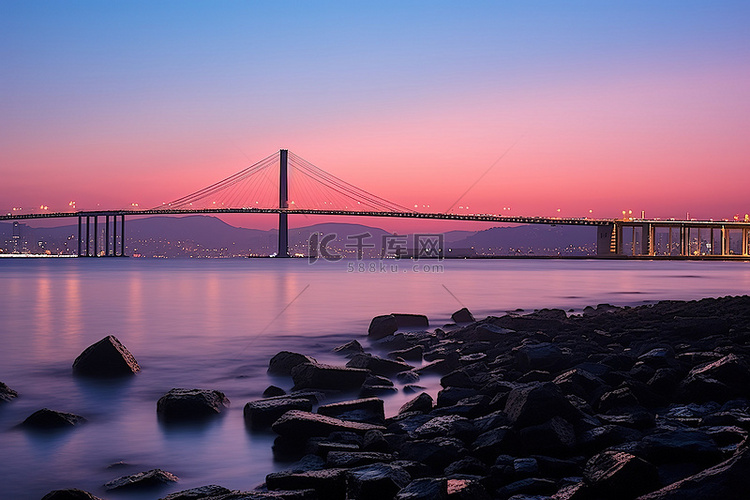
(629, 237)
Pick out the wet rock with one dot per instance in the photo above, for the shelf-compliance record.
(190, 404)
(580, 383)
(382, 326)
(327, 483)
(555, 436)
(721, 380)
(494, 442)
(371, 391)
(302, 424)
(535, 403)
(411, 320)
(413, 388)
(529, 486)
(463, 315)
(273, 391)
(198, 493)
(620, 398)
(447, 426)
(437, 453)
(457, 378)
(377, 365)
(317, 376)
(106, 358)
(46, 419)
(425, 489)
(375, 441)
(544, 356)
(607, 435)
(350, 459)
(467, 466)
(408, 377)
(452, 395)
(682, 445)
(70, 494)
(149, 479)
(368, 410)
(619, 475)
(466, 489)
(422, 403)
(283, 362)
(351, 347)
(377, 380)
(376, 481)
(264, 412)
(413, 353)
(6, 393)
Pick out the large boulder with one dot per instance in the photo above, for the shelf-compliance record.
(327, 483)
(463, 315)
(190, 404)
(376, 481)
(369, 410)
(106, 358)
(422, 403)
(619, 475)
(70, 494)
(721, 380)
(302, 424)
(6, 393)
(264, 412)
(283, 362)
(46, 419)
(411, 320)
(426, 488)
(327, 377)
(536, 403)
(382, 326)
(682, 445)
(142, 480)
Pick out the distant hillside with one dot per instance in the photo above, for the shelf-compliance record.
(532, 238)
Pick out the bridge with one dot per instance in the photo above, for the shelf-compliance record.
(317, 192)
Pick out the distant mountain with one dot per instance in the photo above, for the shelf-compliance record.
(532, 238)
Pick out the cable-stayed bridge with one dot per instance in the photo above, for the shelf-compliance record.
(286, 184)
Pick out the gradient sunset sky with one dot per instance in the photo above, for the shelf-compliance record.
(600, 106)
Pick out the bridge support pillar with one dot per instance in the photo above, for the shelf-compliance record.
(79, 236)
(283, 203)
(647, 239)
(106, 235)
(606, 240)
(122, 235)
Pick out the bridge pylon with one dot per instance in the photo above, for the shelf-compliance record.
(283, 250)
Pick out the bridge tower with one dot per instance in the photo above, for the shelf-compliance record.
(283, 203)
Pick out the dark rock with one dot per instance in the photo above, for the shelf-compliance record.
(555, 436)
(377, 380)
(264, 412)
(308, 494)
(534, 376)
(492, 443)
(106, 358)
(528, 486)
(413, 388)
(371, 391)
(307, 463)
(491, 421)
(368, 410)
(452, 395)
(378, 365)
(425, 489)
(415, 469)
(70, 494)
(463, 315)
(190, 404)
(304, 424)
(422, 403)
(581, 383)
(327, 483)
(607, 435)
(382, 326)
(447, 426)
(544, 356)
(46, 419)
(407, 422)
(457, 378)
(6, 394)
(273, 391)
(376, 481)
(283, 362)
(683, 445)
(466, 489)
(467, 465)
(614, 474)
(413, 353)
(149, 479)
(352, 347)
(721, 380)
(323, 447)
(536, 403)
(375, 441)
(317, 376)
(436, 453)
(620, 398)
(408, 377)
(350, 459)
(198, 493)
(411, 320)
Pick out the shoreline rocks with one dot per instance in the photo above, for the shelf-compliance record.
(106, 359)
(181, 405)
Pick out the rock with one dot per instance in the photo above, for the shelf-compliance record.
(70, 494)
(307, 463)
(377, 365)
(302, 424)
(535, 403)
(351, 347)
(619, 475)
(190, 404)
(457, 378)
(375, 441)
(350, 459)
(408, 377)
(492, 443)
(682, 445)
(198, 493)
(327, 483)
(376, 481)
(467, 466)
(371, 391)
(264, 412)
(422, 403)
(531, 486)
(555, 436)
(413, 353)
(283, 362)
(543, 356)
(452, 395)
(382, 326)
(447, 426)
(463, 315)
(368, 410)
(620, 398)
(106, 358)
(377, 380)
(437, 453)
(721, 380)
(273, 391)
(411, 320)
(466, 489)
(6, 394)
(46, 419)
(425, 489)
(149, 479)
(317, 376)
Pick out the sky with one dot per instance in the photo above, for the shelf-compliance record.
(533, 108)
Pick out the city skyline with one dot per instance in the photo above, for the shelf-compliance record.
(580, 109)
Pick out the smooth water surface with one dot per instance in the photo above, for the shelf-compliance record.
(214, 324)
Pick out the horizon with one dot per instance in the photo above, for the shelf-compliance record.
(582, 109)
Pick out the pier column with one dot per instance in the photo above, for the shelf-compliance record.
(96, 236)
(606, 243)
(724, 240)
(79, 236)
(122, 236)
(744, 241)
(647, 240)
(106, 235)
(283, 250)
(88, 236)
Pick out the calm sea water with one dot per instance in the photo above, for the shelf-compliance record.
(214, 324)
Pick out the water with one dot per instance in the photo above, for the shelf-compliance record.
(215, 324)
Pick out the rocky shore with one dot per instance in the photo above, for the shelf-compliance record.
(649, 402)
